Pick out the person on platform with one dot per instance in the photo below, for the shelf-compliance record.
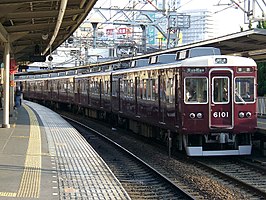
(18, 96)
(1, 96)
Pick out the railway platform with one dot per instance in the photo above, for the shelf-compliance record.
(260, 136)
(44, 157)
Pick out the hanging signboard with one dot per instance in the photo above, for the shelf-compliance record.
(13, 66)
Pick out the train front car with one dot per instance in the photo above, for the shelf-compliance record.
(219, 107)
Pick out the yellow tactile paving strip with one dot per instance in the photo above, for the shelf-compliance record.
(31, 178)
(79, 171)
(8, 194)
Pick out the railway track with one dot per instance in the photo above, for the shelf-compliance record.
(139, 179)
(195, 179)
(247, 175)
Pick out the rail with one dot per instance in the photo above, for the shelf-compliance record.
(261, 106)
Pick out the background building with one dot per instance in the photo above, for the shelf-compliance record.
(201, 26)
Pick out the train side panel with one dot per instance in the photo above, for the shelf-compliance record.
(205, 104)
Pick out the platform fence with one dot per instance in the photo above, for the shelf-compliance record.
(261, 106)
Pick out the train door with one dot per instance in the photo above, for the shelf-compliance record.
(88, 91)
(58, 89)
(119, 93)
(221, 100)
(177, 95)
(136, 91)
(78, 91)
(67, 91)
(51, 89)
(101, 91)
(161, 99)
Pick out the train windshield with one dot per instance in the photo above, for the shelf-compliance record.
(244, 90)
(196, 90)
(221, 90)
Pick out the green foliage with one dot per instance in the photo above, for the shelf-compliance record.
(261, 24)
(262, 79)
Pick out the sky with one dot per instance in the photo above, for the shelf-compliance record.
(227, 19)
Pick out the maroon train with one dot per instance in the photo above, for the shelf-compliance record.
(206, 104)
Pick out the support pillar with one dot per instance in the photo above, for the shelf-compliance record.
(11, 95)
(143, 39)
(6, 86)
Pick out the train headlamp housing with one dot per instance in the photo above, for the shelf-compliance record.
(192, 115)
(248, 114)
(241, 114)
(199, 115)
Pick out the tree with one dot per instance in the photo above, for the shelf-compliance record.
(261, 24)
(261, 68)
(261, 79)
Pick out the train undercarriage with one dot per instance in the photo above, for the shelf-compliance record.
(217, 144)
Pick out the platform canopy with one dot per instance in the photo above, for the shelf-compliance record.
(37, 27)
(250, 43)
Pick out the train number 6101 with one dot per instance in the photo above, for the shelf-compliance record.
(220, 114)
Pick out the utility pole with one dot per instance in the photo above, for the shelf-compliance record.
(94, 26)
(167, 21)
(254, 10)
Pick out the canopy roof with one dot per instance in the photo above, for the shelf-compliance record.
(32, 27)
(250, 43)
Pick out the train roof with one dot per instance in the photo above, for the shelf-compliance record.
(219, 60)
(202, 61)
(161, 62)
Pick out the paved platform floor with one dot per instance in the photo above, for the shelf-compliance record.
(44, 157)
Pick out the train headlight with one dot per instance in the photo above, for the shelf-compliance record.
(199, 115)
(241, 114)
(192, 115)
(248, 114)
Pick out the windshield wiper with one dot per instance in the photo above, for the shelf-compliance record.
(239, 96)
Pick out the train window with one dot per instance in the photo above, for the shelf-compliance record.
(221, 90)
(71, 86)
(139, 88)
(64, 88)
(170, 90)
(131, 88)
(125, 88)
(92, 87)
(149, 89)
(84, 85)
(106, 87)
(154, 89)
(196, 90)
(76, 86)
(101, 87)
(96, 87)
(244, 89)
(46, 85)
(144, 89)
(115, 89)
(162, 88)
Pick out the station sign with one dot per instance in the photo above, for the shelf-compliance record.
(110, 31)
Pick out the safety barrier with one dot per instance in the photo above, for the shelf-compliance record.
(261, 106)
